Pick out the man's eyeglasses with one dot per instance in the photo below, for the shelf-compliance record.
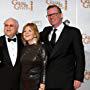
(53, 15)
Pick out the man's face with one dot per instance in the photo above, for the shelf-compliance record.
(10, 28)
(54, 17)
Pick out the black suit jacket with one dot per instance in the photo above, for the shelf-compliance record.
(66, 61)
(9, 74)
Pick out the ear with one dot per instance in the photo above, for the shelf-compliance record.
(61, 15)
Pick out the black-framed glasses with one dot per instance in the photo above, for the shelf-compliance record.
(53, 15)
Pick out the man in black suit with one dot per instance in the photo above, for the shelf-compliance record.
(66, 59)
(10, 45)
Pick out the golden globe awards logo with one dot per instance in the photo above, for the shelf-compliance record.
(85, 3)
(86, 39)
(61, 3)
(87, 75)
(22, 5)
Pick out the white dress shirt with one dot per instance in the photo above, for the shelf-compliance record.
(58, 32)
(12, 49)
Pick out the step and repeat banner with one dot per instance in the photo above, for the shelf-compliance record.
(83, 22)
(76, 11)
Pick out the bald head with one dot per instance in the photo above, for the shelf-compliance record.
(11, 27)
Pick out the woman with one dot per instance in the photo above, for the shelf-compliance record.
(33, 59)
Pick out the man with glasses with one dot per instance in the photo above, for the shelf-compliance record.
(66, 59)
(10, 63)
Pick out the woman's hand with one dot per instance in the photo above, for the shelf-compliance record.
(42, 86)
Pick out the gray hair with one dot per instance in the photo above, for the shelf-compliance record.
(16, 22)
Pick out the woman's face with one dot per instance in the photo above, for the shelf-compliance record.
(28, 34)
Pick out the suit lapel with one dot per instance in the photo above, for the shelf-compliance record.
(5, 52)
(18, 50)
(58, 43)
(46, 32)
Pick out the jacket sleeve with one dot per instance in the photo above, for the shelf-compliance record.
(79, 55)
(44, 59)
(1, 55)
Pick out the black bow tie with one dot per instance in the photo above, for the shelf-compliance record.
(14, 39)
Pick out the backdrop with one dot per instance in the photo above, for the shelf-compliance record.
(76, 11)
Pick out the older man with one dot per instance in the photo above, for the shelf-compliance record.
(10, 63)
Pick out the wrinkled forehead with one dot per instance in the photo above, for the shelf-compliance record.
(10, 21)
(53, 10)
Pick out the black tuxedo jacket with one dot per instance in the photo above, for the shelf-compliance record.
(66, 61)
(9, 74)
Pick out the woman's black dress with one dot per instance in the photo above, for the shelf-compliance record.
(33, 63)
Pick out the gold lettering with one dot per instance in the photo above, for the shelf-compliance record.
(57, 2)
(85, 3)
(14, 2)
(22, 5)
(16, 6)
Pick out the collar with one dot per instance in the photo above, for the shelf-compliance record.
(60, 27)
(11, 38)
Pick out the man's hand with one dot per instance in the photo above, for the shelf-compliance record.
(77, 84)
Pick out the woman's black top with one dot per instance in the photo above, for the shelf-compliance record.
(33, 62)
